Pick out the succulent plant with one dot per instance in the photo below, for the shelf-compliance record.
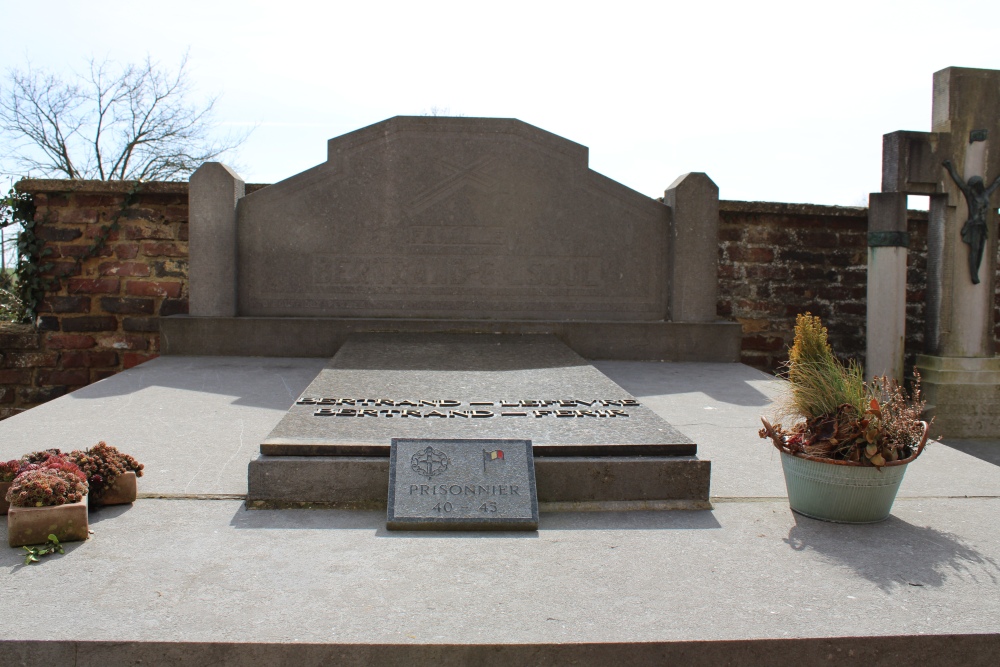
(41, 456)
(46, 486)
(102, 464)
(9, 470)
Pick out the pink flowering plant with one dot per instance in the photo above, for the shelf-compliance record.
(40, 456)
(103, 464)
(54, 482)
(9, 470)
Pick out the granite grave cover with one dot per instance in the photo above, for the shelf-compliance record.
(532, 387)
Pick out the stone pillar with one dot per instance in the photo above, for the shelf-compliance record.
(694, 248)
(960, 370)
(214, 191)
(887, 244)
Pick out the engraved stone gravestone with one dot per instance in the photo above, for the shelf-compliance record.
(452, 225)
(459, 271)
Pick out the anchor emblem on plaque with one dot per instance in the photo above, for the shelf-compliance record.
(429, 462)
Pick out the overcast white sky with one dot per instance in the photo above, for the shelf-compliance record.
(776, 101)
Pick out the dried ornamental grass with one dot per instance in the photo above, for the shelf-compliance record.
(842, 417)
(819, 383)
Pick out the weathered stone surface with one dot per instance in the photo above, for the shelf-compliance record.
(956, 166)
(961, 313)
(384, 386)
(215, 189)
(694, 238)
(573, 483)
(322, 336)
(962, 394)
(461, 485)
(453, 218)
(886, 317)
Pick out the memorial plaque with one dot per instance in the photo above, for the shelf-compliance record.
(384, 386)
(461, 484)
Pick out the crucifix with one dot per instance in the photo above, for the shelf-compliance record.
(975, 231)
(952, 164)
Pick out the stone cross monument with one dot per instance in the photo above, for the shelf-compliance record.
(958, 165)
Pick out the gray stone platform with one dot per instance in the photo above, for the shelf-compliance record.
(188, 576)
(593, 442)
(322, 336)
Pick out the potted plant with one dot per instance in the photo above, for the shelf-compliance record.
(11, 469)
(111, 474)
(47, 498)
(845, 456)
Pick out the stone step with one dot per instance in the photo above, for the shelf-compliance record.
(323, 336)
(564, 483)
(593, 442)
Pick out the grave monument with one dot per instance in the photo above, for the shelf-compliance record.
(958, 165)
(459, 272)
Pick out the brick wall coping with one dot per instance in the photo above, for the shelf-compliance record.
(51, 185)
(56, 185)
(776, 208)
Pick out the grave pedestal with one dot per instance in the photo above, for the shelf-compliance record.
(595, 445)
(564, 483)
(962, 394)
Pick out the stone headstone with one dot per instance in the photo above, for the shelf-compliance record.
(453, 225)
(453, 218)
(461, 485)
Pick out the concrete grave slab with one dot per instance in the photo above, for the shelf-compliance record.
(177, 580)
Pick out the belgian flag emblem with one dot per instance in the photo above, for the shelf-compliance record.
(495, 455)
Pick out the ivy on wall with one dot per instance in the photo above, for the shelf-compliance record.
(32, 263)
(18, 208)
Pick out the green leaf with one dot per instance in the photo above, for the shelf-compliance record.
(53, 539)
(871, 450)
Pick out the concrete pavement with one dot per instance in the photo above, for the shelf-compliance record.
(748, 582)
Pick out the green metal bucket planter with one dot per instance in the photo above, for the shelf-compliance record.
(843, 491)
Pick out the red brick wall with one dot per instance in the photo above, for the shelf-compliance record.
(100, 315)
(776, 260)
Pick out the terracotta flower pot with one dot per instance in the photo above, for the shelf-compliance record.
(33, 525)
(4, 505)
(121, 492)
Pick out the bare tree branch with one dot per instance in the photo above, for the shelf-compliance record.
(118, 122)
